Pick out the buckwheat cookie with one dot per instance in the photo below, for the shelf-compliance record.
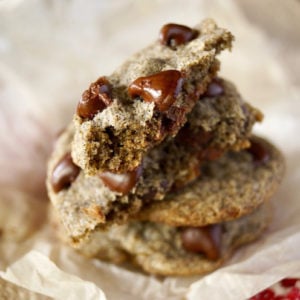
(17, 222)
(220, 121)
(85, 202)
(228, 188)
(172, 251)
(122, 116)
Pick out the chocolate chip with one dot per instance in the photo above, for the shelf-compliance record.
(64, 173)
(210, 153)
(95, 99)
(121, 183)
(193, 173)
(206, 240)
(259, 152)
(214, 89)
(198, 138)
(173, 35)
(161, 88)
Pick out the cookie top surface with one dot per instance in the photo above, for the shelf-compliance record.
(87, 202)
(144, 101)
(160, 249)
(229, 187)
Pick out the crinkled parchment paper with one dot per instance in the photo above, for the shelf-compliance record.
(50, 51)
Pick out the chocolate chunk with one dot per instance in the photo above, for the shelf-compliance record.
(214, 89)
(195, 138)
(121, 183)
(64, 173)
(95, 99)
(161, 88)
(173, 35)
(259, 152)
(211, 153)
(204, 240)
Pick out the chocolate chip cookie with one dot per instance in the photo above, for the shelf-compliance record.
(217, 123)
(159, 167)
(176, 251)
(120, 117)
(229, 188)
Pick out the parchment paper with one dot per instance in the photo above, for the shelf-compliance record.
(49, 52)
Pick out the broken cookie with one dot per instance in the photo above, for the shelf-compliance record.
(120, 117)
(173, 251)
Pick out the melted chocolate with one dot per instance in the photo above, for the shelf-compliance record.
(121, 183)
(259, 152)
(173, 35)
(95, 99)
(204, 240)
(161, 88)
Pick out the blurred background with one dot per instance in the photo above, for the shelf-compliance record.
(57, 47)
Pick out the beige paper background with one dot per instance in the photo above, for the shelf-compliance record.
(51, 50)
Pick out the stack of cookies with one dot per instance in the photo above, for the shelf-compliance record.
(159, 167)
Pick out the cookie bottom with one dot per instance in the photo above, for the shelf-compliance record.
(157, 248)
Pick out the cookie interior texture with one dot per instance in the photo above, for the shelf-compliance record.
(157, 248)
(116, 138)
(225, 119)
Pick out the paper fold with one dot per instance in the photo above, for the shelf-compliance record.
(37, 273)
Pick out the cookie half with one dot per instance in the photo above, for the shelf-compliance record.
(160, 249)
(120, 117)
(228, 188)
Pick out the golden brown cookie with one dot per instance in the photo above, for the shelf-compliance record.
(228, 188)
